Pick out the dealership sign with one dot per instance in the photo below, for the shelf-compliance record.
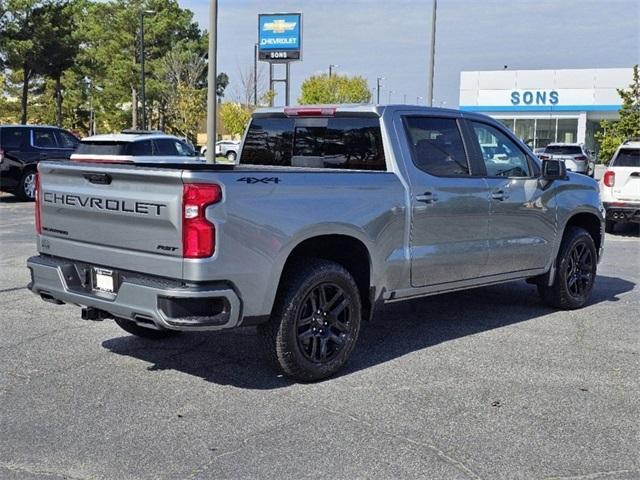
(535, 97)
(280, 37)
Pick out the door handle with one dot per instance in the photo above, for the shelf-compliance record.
(427, 197)
(499, 194)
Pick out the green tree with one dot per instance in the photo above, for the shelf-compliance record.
(22, 43)
(62, 48)
(613, 133)
(234, 117)
(322, 89)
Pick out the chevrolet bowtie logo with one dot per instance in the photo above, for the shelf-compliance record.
(279, 26)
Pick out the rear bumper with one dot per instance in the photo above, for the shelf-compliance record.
(151, 302)
(623, 212)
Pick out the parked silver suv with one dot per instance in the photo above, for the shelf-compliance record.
(574, 155)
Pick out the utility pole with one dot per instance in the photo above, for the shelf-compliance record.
(379, 82)
(331, 67)
(390, 92)
(142, 91)
(255, 74)
(432, 55)
(211, 81)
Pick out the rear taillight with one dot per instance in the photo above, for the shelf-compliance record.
(580, 158)
(609, 178)
(198, 234)
(37, 205)
(543, 157)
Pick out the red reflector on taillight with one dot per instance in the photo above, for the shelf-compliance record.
(198, 234)
(37, 205)
(543, 157)
(609, 178)
(310, 112)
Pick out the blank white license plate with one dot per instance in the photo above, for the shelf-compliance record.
(103, 280)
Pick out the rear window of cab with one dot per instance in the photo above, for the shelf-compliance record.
(345, 142)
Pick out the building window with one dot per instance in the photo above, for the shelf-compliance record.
(525, 130)
(545, 132)
(567, 130)
(507, 122)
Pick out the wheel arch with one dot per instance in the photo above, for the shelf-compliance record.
(344, 249)
(591, 223)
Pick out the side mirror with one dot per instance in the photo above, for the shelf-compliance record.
(553, 170)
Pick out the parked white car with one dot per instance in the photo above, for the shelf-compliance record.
(224, 148)
(620, 186)
(139, 146)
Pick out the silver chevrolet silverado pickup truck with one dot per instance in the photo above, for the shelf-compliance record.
(331, 212)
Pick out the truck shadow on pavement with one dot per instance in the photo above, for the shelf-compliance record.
(233, 357)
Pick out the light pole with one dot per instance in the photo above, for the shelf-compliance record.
(255, 74)
(390, 92)
(211, 81)
(331, 67)
(379, 84)
(142, 92)
(432, 54)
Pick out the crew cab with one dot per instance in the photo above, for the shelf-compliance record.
(620, 186)
(331, 212)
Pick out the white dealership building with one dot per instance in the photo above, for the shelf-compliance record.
(544, 106)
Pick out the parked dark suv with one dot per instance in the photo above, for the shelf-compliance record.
(22, 147)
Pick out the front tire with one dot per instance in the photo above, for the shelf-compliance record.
(134, 329)
(315, 323)
(27, 188)
(231, 156)
(575, 275)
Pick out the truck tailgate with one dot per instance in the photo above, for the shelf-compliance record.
(115, 215)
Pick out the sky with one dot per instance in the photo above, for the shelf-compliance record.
(390, 39)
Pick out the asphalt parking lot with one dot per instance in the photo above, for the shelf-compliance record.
(486, 384)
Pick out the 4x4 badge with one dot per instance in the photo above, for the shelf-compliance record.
(253, 180)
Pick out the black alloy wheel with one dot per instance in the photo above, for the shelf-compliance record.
(580, 270)
(575, 271)
(324, 322)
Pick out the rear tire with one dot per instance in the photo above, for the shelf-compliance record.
(134, 329)
(315, 322)
(575, 275)
(609, 226)
(27, 187)
(231, 156)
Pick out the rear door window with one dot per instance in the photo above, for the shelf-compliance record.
(14, 138)
(44, 138)
(437, 146)
(165, 147)
(140, 149)
(351, 143)
(627, 157)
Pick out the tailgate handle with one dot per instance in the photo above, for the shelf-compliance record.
(98, 178)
